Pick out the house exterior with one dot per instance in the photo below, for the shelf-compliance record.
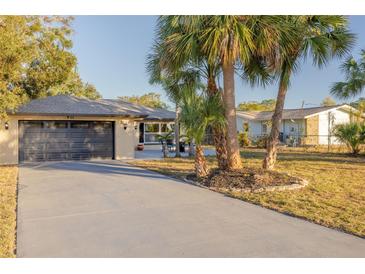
(304, 126)
(156, 122)
(71, 128)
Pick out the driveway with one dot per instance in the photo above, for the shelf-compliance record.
(111, 209)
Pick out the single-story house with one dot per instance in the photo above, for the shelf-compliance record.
(303, 126)
(70, 128)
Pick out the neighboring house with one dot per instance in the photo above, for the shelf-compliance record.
(304, 126)
(71, 128)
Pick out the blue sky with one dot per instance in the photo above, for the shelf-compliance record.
(112, 50)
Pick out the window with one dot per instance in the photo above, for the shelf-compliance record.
(151, 138)
(152, 128)
(102, 125)
(80, 124)
(167, 127)
(55, 124)
(33, 124)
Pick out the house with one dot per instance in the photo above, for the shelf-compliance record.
(156, 122)
(70, 128)
(304, 126)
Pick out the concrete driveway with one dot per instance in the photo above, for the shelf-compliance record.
(111, 209)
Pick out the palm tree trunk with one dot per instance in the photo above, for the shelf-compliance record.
(234, 158)
(177, 132)
(219, 136)
(201, 169)
(271, 147)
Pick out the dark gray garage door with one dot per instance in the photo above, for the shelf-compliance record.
(65, 140)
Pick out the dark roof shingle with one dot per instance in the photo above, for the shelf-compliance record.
(75, 106)
(153, 113)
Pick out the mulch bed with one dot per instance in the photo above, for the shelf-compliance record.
(249, 180)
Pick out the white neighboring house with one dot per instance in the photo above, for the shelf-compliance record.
(304, 126)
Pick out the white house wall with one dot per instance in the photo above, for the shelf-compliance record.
(339, 117)
(254, 127)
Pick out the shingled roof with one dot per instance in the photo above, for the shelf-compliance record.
(75, 106)
(152, 113)
(299, 113)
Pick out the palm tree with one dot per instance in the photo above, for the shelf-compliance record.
(223, 42)
(198, 111)
(229, 40)
(354, 83)
(352, 134)
(172, 52)
(317, 37)
(164, 138)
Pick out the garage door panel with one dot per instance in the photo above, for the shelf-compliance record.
(80, 156)
(35, 157)
(57, 140)
(35, 147)
(58, 146)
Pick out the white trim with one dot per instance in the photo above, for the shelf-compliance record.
(245, 115)
(344, 106)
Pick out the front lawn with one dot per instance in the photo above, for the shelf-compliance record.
(8, 186)
(335, 196)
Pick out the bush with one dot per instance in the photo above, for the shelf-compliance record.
(261, 142)
(243, 139)
(352, 134)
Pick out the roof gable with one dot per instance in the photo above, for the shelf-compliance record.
(300, 113)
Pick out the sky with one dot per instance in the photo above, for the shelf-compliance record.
(112, 50)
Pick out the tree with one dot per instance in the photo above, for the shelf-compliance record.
(164, 138)
(240, 41)
(198, 111)
(14, 52)
(75, 86)
(151, 99)
(327, 102)
(352, 134)
(35, 58)
(173, 53)
(359, 103)
(354, 78)
(317, 37)
(223, 42)
(174, 85)
(264, 105)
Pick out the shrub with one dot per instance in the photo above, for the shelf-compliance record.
(243, 139)
(261, 142)
(352, 134)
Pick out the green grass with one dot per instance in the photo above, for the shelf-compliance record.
(335, 196)
(8, 186)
